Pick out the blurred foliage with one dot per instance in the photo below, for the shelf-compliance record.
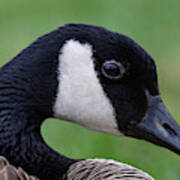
(153, 24)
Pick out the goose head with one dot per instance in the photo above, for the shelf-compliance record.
(88, 75)
(108, 83)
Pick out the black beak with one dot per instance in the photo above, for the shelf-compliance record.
(158, 126)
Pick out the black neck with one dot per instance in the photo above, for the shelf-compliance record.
(27, 91)
(22, 144)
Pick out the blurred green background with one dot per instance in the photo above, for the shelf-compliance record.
(153, 24)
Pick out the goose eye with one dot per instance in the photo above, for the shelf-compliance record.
(113, 70)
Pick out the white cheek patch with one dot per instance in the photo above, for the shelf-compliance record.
(80, 97)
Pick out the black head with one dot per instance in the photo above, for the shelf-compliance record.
(127, 75)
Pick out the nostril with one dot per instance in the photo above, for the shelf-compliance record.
(169, 129)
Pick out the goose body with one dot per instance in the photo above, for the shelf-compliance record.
(90, 169)
(87, 75)
(96, 169)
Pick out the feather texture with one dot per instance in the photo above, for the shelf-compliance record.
(9, 172)
(101, 169)
(90, 169)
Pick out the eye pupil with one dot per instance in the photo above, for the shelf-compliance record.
(113, 70)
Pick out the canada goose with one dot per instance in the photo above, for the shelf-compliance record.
(83, 74)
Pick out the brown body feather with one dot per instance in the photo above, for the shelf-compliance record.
(101, 169)
(9, 172)
(90, 169)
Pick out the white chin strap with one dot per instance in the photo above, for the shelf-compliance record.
(80, 96)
